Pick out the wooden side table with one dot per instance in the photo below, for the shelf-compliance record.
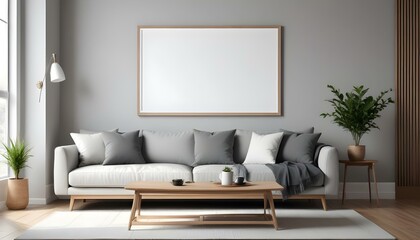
(371, 167)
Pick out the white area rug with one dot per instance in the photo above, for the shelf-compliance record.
(294, 224)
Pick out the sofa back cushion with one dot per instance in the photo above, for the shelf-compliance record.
(243, 139)
(168, 147)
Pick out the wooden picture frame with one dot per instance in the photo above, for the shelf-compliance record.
(210, 70)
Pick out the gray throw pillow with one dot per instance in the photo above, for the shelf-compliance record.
(122, 148)
(243, 139)
(213, 147)
(298, 147)
(169, 147)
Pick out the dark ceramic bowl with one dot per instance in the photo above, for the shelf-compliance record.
(177, 182)
(240, 181)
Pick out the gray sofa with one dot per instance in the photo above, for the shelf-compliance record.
(167, 155)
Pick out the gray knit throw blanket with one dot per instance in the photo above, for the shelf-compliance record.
(294, 177)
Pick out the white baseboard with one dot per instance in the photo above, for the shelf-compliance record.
(37, 201)
(360, 190)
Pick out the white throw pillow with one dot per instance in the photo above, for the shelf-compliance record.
(91, 148)
(263, 149)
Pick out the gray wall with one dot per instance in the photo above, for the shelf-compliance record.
(52, 94)
(339, 42)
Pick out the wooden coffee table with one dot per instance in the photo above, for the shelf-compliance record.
(261, 189)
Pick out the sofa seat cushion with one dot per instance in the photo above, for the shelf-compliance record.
(255, 172)
(120, 175)
(259, 172)
(209, 173)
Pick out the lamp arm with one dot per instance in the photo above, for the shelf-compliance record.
(40, 84)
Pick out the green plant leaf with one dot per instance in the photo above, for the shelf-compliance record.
(16, 156)
(356, 112)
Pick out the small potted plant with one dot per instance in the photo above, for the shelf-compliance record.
(356, 113)
(226, 177)
(16, 156)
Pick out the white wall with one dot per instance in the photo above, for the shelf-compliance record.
(39, 121)
(339, 42)
(33, 60)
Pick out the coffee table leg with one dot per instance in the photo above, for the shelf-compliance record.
(273, 209)
(133, 209)
(370, 195)
(138, 205)
(265, 203)
(344, 183)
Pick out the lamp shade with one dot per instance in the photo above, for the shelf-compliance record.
(56, 73)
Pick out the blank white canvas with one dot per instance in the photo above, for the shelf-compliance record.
(209, 70)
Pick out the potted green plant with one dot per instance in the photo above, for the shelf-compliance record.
(16, 156)
(226, 177)
(356, 113)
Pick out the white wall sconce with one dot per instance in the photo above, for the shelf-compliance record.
(56, 74)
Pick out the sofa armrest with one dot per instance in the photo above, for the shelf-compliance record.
(66, 158)
(328, 163)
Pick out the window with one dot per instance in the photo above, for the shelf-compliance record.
(4, 78)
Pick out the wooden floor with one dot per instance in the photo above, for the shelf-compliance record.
(400, 218)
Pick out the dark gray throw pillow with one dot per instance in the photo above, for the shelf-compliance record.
(298, 147)
(286, 136)
(306, 130)
(122, 148)
(213, 147)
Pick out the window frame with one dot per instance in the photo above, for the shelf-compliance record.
(13, 88)
(4, 94)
